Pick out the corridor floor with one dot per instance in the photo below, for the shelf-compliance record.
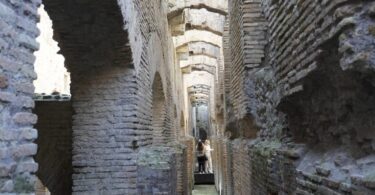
(204, 190)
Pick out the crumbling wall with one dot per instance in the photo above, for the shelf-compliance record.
(325, 75)
(248, 78)
(303, 72)
(54, 155)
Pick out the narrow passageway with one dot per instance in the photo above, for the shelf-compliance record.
(187, 97)
(205, 190)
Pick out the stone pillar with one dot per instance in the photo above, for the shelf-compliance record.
(105, 142)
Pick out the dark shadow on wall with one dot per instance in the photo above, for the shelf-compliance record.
(334, 116)
(54, 142)
(335, 107)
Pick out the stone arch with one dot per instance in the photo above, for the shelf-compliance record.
(159, 112)
(198, 67)
(198, 36)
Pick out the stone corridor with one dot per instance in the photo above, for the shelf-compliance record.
(110, 97)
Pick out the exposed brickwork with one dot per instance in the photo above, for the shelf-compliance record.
(160, 135)
(110, 125)
(111, 86)
(296, 73)
(113, 103)
(189, 142)
(98, 57)
(289, 110)
(182, 170)
(241, 159)
(247, 42)
(222, 160)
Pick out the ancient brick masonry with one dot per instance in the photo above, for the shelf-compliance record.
(283, 89)
(113, 50)
(307, 77)
(223, 164)
(17, 42)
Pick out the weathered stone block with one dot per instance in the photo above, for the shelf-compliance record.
(8, 186)
(3, 82)
(28, 167)
(24, 150)
(6, 169)
(25, 118)
(7, 97)
(23, 184)
(27, 88)
(25, 102)
(28, 134)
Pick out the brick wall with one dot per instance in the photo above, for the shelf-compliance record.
(113, 50)
(103, 87)
(297, 72)
(104, 142)
(241, 168)
(245, 70)
(189, 142)
(236, 56)
(222, 164)
(267, 168)
(54, 155)
(112, 91)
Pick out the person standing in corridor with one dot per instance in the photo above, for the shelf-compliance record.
(201, 157)
(208, 149)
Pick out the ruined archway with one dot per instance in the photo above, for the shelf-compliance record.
(96, 48)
